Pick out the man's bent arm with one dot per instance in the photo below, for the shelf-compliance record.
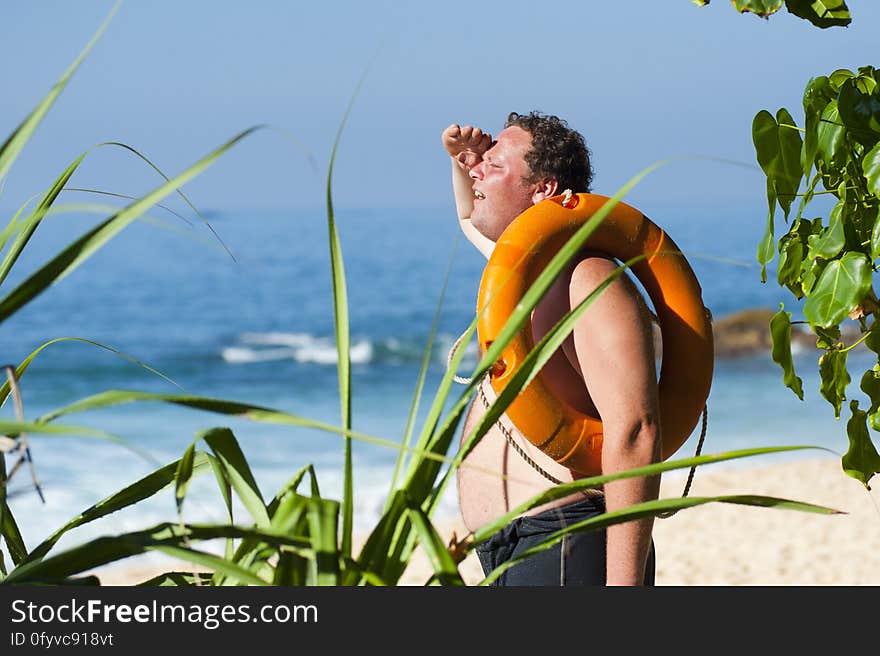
(614, 351)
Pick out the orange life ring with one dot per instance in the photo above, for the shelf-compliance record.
(570, 437)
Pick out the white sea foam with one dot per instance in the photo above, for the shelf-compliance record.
(306, 348)
(300, 347)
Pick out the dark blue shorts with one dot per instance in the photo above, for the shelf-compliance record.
(579, 559)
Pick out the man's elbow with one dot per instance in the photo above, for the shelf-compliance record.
(640, 441)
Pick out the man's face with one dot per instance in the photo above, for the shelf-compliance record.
(500, 191)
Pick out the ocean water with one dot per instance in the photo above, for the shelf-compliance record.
(260, 329)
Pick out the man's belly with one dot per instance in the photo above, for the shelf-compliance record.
(494, 479)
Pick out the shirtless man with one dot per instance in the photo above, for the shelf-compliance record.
(605, 368)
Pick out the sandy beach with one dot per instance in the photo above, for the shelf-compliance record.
(723, 544)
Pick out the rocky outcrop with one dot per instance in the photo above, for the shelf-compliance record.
(748, 331)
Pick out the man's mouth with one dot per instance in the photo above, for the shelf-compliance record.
(479, 195)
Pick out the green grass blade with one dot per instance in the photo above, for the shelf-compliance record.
(112, 194)
(169, 538)
(323, 518)
(8, 527)
(177, 579)
(22, 368)
(182, 477)
(426, 360)
(343, 338)
(36, 217)
(13, 225)
(653, 508)
(445, 569)
(14, 144)
(179, 192)
(84, 247)
(228, 453)
(655, 469)
(221, 406)
(141, 489)
(14, 428)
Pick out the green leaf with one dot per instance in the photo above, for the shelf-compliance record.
(183, 475)
(861, 461)
(838, 77)
(791, 256)
(762, 8)
(167, 538)
(778, 148)
(136, 492)
(830, 242)
(817, 95)
(859, 107)
(323, 518)
(835, 378)
(830, 136)
(14, 144)
(650, 509)
(445, 569)
(84, 247)
(827, 338)
(821, 13)
(871, 168)
(229, 454)
(765, 246)
(842, 285)
(780, 331)
(870, 385)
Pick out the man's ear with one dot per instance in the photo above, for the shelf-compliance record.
(545, 189)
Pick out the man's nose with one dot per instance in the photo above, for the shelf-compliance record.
(476, 172)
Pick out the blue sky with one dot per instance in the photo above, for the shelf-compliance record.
(642, 79)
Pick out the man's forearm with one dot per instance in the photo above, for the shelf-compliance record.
(463, 188)
(628, 544)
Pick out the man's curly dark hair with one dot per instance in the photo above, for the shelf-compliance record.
(557, 151)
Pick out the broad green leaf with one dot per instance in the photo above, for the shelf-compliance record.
(859, 107)
(765, 246)
(791, 256)
(838, 77)
(821, 13)
(861, 461)
(136, 492)
(870, 385)
(830, 242)
(228, 452)
(444, 567)
(762, 8)
(14, 144)
(811, 271)
(827, 338)
(842, 285)
(817, 95)
(780, 331)
(835, 378)
(871, 168)
(778, 149)
(652, 509)
(831, 137)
